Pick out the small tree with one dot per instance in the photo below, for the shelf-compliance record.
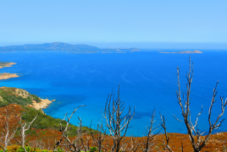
(166, 144)
(192, 129)
(73, 145)
(7, 132)
(25, 127)
(148, 143)
(135, 144)
(116, 122)
(99, 137)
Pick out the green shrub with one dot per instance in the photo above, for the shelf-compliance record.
(59, 150)
(93, 149)
(21, 149)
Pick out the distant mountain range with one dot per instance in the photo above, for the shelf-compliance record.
(58, 46)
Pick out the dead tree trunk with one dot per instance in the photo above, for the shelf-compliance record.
(166, 144)
(25, 127)
(134, 144)
(76, 144)
(116, 122)
(99, 137)
(72, 145)
(148, 143)
(7, 134)
(192, 129)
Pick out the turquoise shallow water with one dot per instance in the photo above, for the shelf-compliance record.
(147, 79)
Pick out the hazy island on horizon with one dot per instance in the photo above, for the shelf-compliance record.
(64, 47)
(183, 52)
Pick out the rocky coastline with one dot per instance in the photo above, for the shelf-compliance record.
(4, 76)
(41, 105)
(6, 64)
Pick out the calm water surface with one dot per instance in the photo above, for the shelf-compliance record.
(148, 80)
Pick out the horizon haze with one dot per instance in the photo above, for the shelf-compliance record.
(130, 23)
(163, 45)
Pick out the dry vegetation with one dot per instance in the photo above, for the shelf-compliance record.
(46, 138)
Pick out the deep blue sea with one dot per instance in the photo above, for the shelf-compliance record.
(148, 80)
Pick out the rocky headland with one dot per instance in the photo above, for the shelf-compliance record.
(4, 76)
(8, 76)
(40, 105)
(6, 64)
(20, 96)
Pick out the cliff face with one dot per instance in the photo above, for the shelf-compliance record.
(22, 97)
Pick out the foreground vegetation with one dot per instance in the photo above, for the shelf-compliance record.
(45, 139)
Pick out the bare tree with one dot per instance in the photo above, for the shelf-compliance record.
(88, 137)
(163, 124)
(87, 142)
(148, 143)
(134, 144)
(25, 127)
(192, 129)
(124, 145)
(116, 122)
(8, 134)
(64, 131)
(76, 144)
(99, 137)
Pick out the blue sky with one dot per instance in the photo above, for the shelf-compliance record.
(113, 21)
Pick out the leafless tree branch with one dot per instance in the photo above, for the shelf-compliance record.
(6, 130)
(148, 143)
(25, 127)
(163, 124)
(116, 122)
(196, 141)
(64, 130)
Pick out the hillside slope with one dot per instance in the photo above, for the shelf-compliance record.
(24, 104)
(19, 96)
